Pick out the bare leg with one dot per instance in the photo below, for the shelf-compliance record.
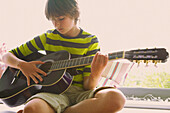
(105, 101)
(37, 106)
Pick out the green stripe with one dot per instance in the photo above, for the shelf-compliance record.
(77, 51)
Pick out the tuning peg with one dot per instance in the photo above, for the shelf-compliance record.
(156, 63)
(135, 61)
(138, 62)
(160, 61)
(146, 61)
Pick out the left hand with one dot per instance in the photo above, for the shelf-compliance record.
(98, 65)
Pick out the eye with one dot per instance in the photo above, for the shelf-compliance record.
(61, 18)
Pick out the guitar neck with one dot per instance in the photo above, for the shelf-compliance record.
(82, 61)
(156, 55)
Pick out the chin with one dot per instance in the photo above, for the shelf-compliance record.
(62, 32)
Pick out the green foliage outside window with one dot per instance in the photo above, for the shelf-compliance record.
(148, 79)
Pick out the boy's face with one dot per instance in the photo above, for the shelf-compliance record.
(64, 24)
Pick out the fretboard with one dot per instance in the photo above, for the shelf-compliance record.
(82, 61)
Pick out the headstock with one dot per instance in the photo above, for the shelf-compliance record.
(155, 55)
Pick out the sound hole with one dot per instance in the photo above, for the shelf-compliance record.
(46, 66)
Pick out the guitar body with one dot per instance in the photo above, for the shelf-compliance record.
(17, 92)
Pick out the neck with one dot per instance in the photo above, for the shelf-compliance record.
(73, 32)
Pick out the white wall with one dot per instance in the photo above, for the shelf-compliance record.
(21, 20)
(119, 24)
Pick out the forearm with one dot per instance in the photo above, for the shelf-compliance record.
(91, 82)
(11, 60)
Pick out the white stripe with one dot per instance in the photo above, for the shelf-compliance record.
(117, 71)
(111, 70)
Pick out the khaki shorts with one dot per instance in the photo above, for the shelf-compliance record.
(74, 95)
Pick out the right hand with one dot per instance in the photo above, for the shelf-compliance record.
(30, 70)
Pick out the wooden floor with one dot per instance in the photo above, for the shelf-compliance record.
(128, 107)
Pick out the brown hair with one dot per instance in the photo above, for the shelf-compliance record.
(56, 8)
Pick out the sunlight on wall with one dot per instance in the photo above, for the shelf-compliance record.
(128, 24)
(119, 24)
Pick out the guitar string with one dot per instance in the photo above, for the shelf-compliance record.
(77, 61)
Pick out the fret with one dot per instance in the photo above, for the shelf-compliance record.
(57, 65)
(78, 61)
(75, 62)
(87, 60)
(59, 62)
(82, 60)
(69, 63)
(52, 66)
(62, 64)
(91, 59)
(66, 63)
(116, 55)
(72, 62)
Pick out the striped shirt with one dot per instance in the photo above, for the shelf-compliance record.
(85, 44)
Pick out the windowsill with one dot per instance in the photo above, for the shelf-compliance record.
(147, 105)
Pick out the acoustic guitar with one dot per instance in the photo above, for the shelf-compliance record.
(14, 90)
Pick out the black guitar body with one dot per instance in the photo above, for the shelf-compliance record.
(17, 92)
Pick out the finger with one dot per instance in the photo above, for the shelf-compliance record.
(95, 57)
(34, 79)
(28, 81)
(38, 62)
(38, 76)
(102, 59)
(98, 57)
(41, 71)
(106, 59)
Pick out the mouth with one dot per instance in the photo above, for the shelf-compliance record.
(60, 29)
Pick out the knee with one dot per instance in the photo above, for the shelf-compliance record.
(34, 106)
(114, 100)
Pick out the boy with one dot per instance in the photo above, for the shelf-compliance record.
(81, 97)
